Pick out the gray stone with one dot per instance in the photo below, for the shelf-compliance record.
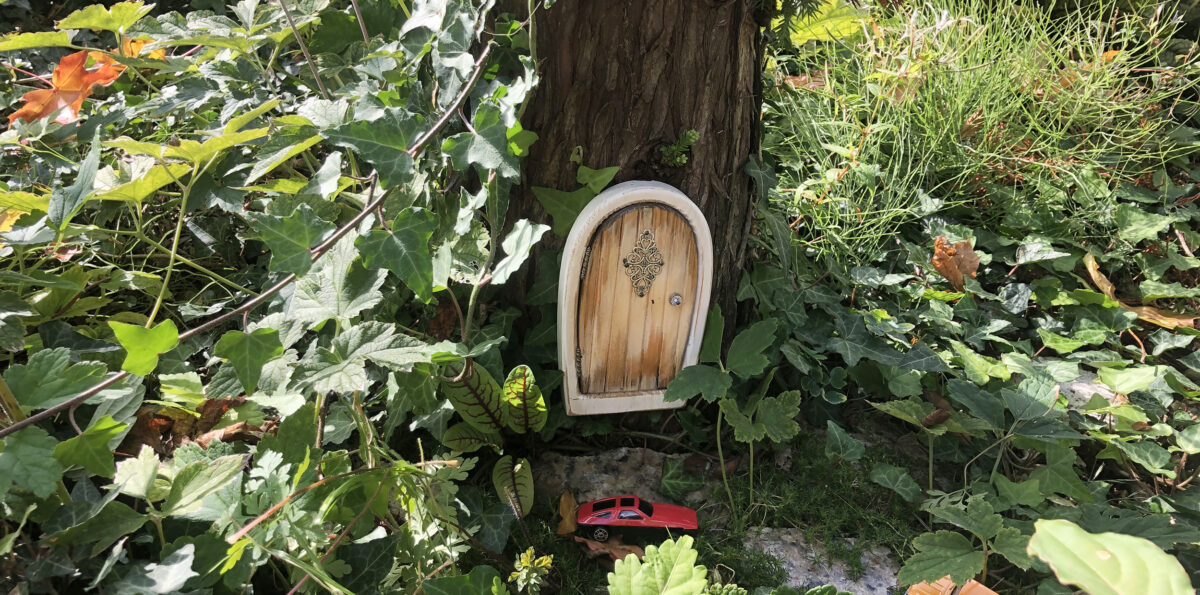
(636, 471)
(809, 565)
(1081, 390)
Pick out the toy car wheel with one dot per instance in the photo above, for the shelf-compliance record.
(600, 534)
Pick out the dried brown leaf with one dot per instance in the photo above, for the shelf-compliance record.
(1163, 318)
(954, 261)
(613, 548)
(566, 509)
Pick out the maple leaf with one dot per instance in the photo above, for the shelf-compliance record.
(72, 83)
(954, 261)
(130, 48)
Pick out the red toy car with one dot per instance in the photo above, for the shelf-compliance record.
(598, 517)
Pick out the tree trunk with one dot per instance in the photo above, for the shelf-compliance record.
(622, 78)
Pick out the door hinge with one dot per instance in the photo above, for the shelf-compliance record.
(587, 260)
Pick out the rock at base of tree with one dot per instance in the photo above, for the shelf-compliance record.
(809, 565)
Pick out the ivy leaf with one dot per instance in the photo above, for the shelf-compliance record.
(90, 449)
(913, 411)
(1131, 379)
(1136, 224)
(197, 481)
(854, 342)
(166, 576)
(1058, 342)
(475, 395)
(1024, 493)
(1148, 454)
(144, 345)
(517, 245)
(1012, 544)
(65, 202)
(464, 437)
(940, 554)
(477, 582)
(249, 352)
(1106, 563)
(513, 480)
(1188, 439)
(563, 207)
(138, 477)
(291, 237)
(404, 250)
(676, 482)
(896, 479)
(714, 328)
(1037, 249)
(699, 379)
(382, 142)
(595, 179)
(525, 407)
(338, 286)
(48, 378)
(1033, 398)
(1058, 475)
(840, 446)
(117, 18)
(745, 356)
(486, 147)
(28, 460)
(979, 402)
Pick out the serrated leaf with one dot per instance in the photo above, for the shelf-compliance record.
(404, 250)
(116, 18)
(477, 582)
(517, 246)
(1012, 544)
(90, 449)
(159, 578)
(746, 356)
(525, 409)
(944, 553)
(699, 379)
(338, 287)
(249, 352)
(896, 479)
(144, 345)
(778, 415)
(197, 480)
(475, 395)
(464, 437)
(39, 39)
(841, 446)
(745, 429)
(49, 378)
(669, 568)
(977, 516)
(28, 461)
(138, 476)
(1106, 563)
(291, 238)
(513, 480)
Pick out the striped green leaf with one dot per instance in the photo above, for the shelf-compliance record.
(466, 438)
(476, 397)
(525, 409)
(514, 483)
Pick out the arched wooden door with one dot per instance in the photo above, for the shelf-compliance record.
(633, 297)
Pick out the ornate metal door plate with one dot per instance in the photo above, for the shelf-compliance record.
(644, 264)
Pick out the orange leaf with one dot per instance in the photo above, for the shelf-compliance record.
(1167, 320)
(566, 509)
(954, 261)
(72, 83)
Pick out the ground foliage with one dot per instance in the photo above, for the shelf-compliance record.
(249, 302)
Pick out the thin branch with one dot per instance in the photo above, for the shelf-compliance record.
(253, 303)
(304, 48)
(361, 25)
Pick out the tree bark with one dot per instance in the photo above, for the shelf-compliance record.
(622, 78)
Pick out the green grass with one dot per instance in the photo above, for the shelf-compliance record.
(829, 502)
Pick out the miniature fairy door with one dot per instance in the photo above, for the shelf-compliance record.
(633, 297)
